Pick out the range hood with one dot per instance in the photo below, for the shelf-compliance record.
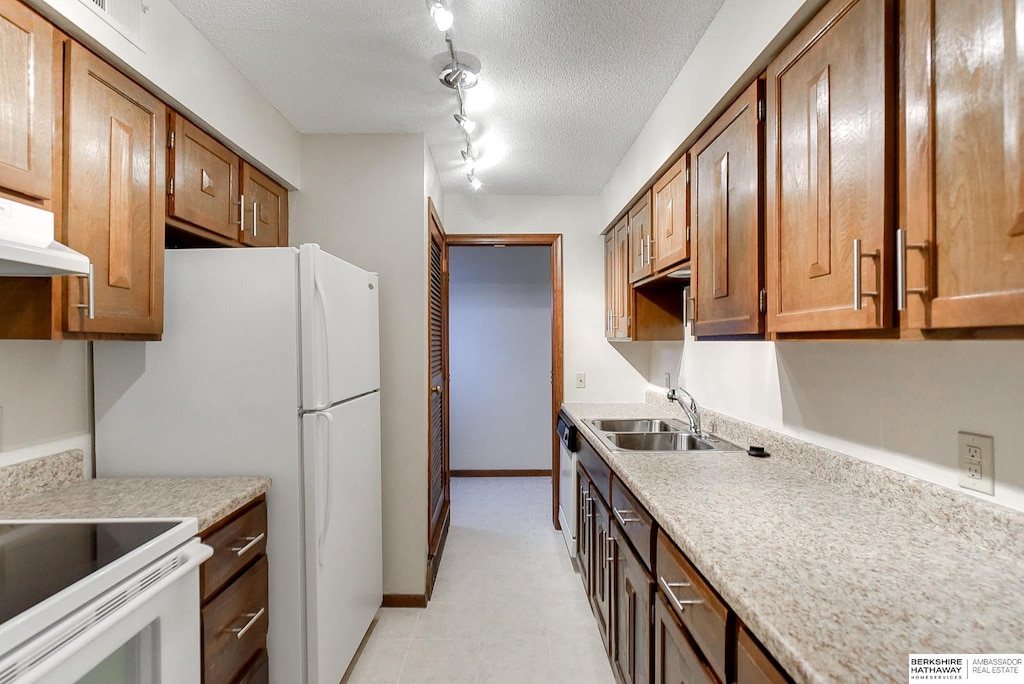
(27, 247)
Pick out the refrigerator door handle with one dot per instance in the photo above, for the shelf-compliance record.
(321, 300)
(323, 524)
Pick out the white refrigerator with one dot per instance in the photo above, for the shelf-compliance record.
(269, 365)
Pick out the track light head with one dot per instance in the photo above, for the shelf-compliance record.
(465, 122)
(474, 182)
(442, 16)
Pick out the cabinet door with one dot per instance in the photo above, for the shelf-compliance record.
(675, 659)
(623, 308)
(205, 181)
(609, 284)
(116, 138)
(265, 214)
(640, 239)
(26, 101)
(632, 604)
(671, 241)
(602, 559)
(965, 163)
(584, 529)
(832, 170)
(753, 665)
(728, 265)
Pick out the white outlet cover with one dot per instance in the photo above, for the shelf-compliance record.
(986, 484)
(581, 381)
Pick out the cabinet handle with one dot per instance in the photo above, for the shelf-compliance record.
(255, 221)
(588, 505)
(651, 243)
(667, 586)
(253, 619)
(91, 305)
(609, 549)
(241, 212)
(901, 269)
(858, 254)
(436, 389)
(624, 521)
(253, 541)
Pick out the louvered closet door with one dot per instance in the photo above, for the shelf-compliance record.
(439, 478)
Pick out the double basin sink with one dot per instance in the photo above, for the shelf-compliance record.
(654, 434)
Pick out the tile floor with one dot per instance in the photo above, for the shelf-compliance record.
(507, 605)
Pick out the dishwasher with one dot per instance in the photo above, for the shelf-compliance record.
(568, 437)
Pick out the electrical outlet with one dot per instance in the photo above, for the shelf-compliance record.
(581, 381)
(976, 456)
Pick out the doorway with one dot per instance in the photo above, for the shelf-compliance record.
(505, 355)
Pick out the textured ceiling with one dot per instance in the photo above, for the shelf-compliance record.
(566, 85)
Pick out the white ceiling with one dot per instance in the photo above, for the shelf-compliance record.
(566, 85)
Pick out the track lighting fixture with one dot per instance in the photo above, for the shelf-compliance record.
(455, 75)
(441, 15)
(469, 158)
(474, 182)
(467, 124)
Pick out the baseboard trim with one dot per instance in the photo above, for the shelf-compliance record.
(501, 473)
(404, 601)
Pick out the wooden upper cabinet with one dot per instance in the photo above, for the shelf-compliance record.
(964, 164)
(623, 314)
(640, 239)
(831, 171)
(609, 284)
(671, 234)
(727, 260)
(203, 190)
(115, 139)
(26, 101)
(265, 212)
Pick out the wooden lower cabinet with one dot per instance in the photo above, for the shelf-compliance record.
(676, 660)
(234, 585)
(601, 563)
(753, 665)
(583, 529)
(633, 590)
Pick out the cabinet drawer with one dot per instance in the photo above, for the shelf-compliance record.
(235, 625)
(635, 521)
(258, 671)
(235, 545)
(702, 613)
(599, 472)
(753, 665)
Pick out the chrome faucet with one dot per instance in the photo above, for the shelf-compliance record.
(690, 408)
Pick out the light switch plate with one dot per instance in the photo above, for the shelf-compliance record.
(976, 458)
(581, 381)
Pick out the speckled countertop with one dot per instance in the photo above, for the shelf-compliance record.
(207, 499)
(834, 577)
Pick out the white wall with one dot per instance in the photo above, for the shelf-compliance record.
(614, 372)
(499, 303)
(44, 399)
(736, 37)
(898, 404)
(181, 66)
(363, 200)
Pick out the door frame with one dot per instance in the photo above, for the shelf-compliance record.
(553, 241)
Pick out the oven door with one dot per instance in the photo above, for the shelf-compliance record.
(143, 631)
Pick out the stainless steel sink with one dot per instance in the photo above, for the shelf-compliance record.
(639, 425)
(664, 435)
(659, 441)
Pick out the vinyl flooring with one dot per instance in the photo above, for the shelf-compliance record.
(507, 605)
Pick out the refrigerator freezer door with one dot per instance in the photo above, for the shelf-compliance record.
(341, 458)
(340, 329)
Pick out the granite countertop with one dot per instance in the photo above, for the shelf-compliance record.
(839, 584)
(208, 499)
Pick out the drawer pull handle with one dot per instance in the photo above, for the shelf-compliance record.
(253, 541)
(610, 550)
(253, 618)
(619, 515)
(680, 604)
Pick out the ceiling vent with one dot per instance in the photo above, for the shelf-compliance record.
(123, 15)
